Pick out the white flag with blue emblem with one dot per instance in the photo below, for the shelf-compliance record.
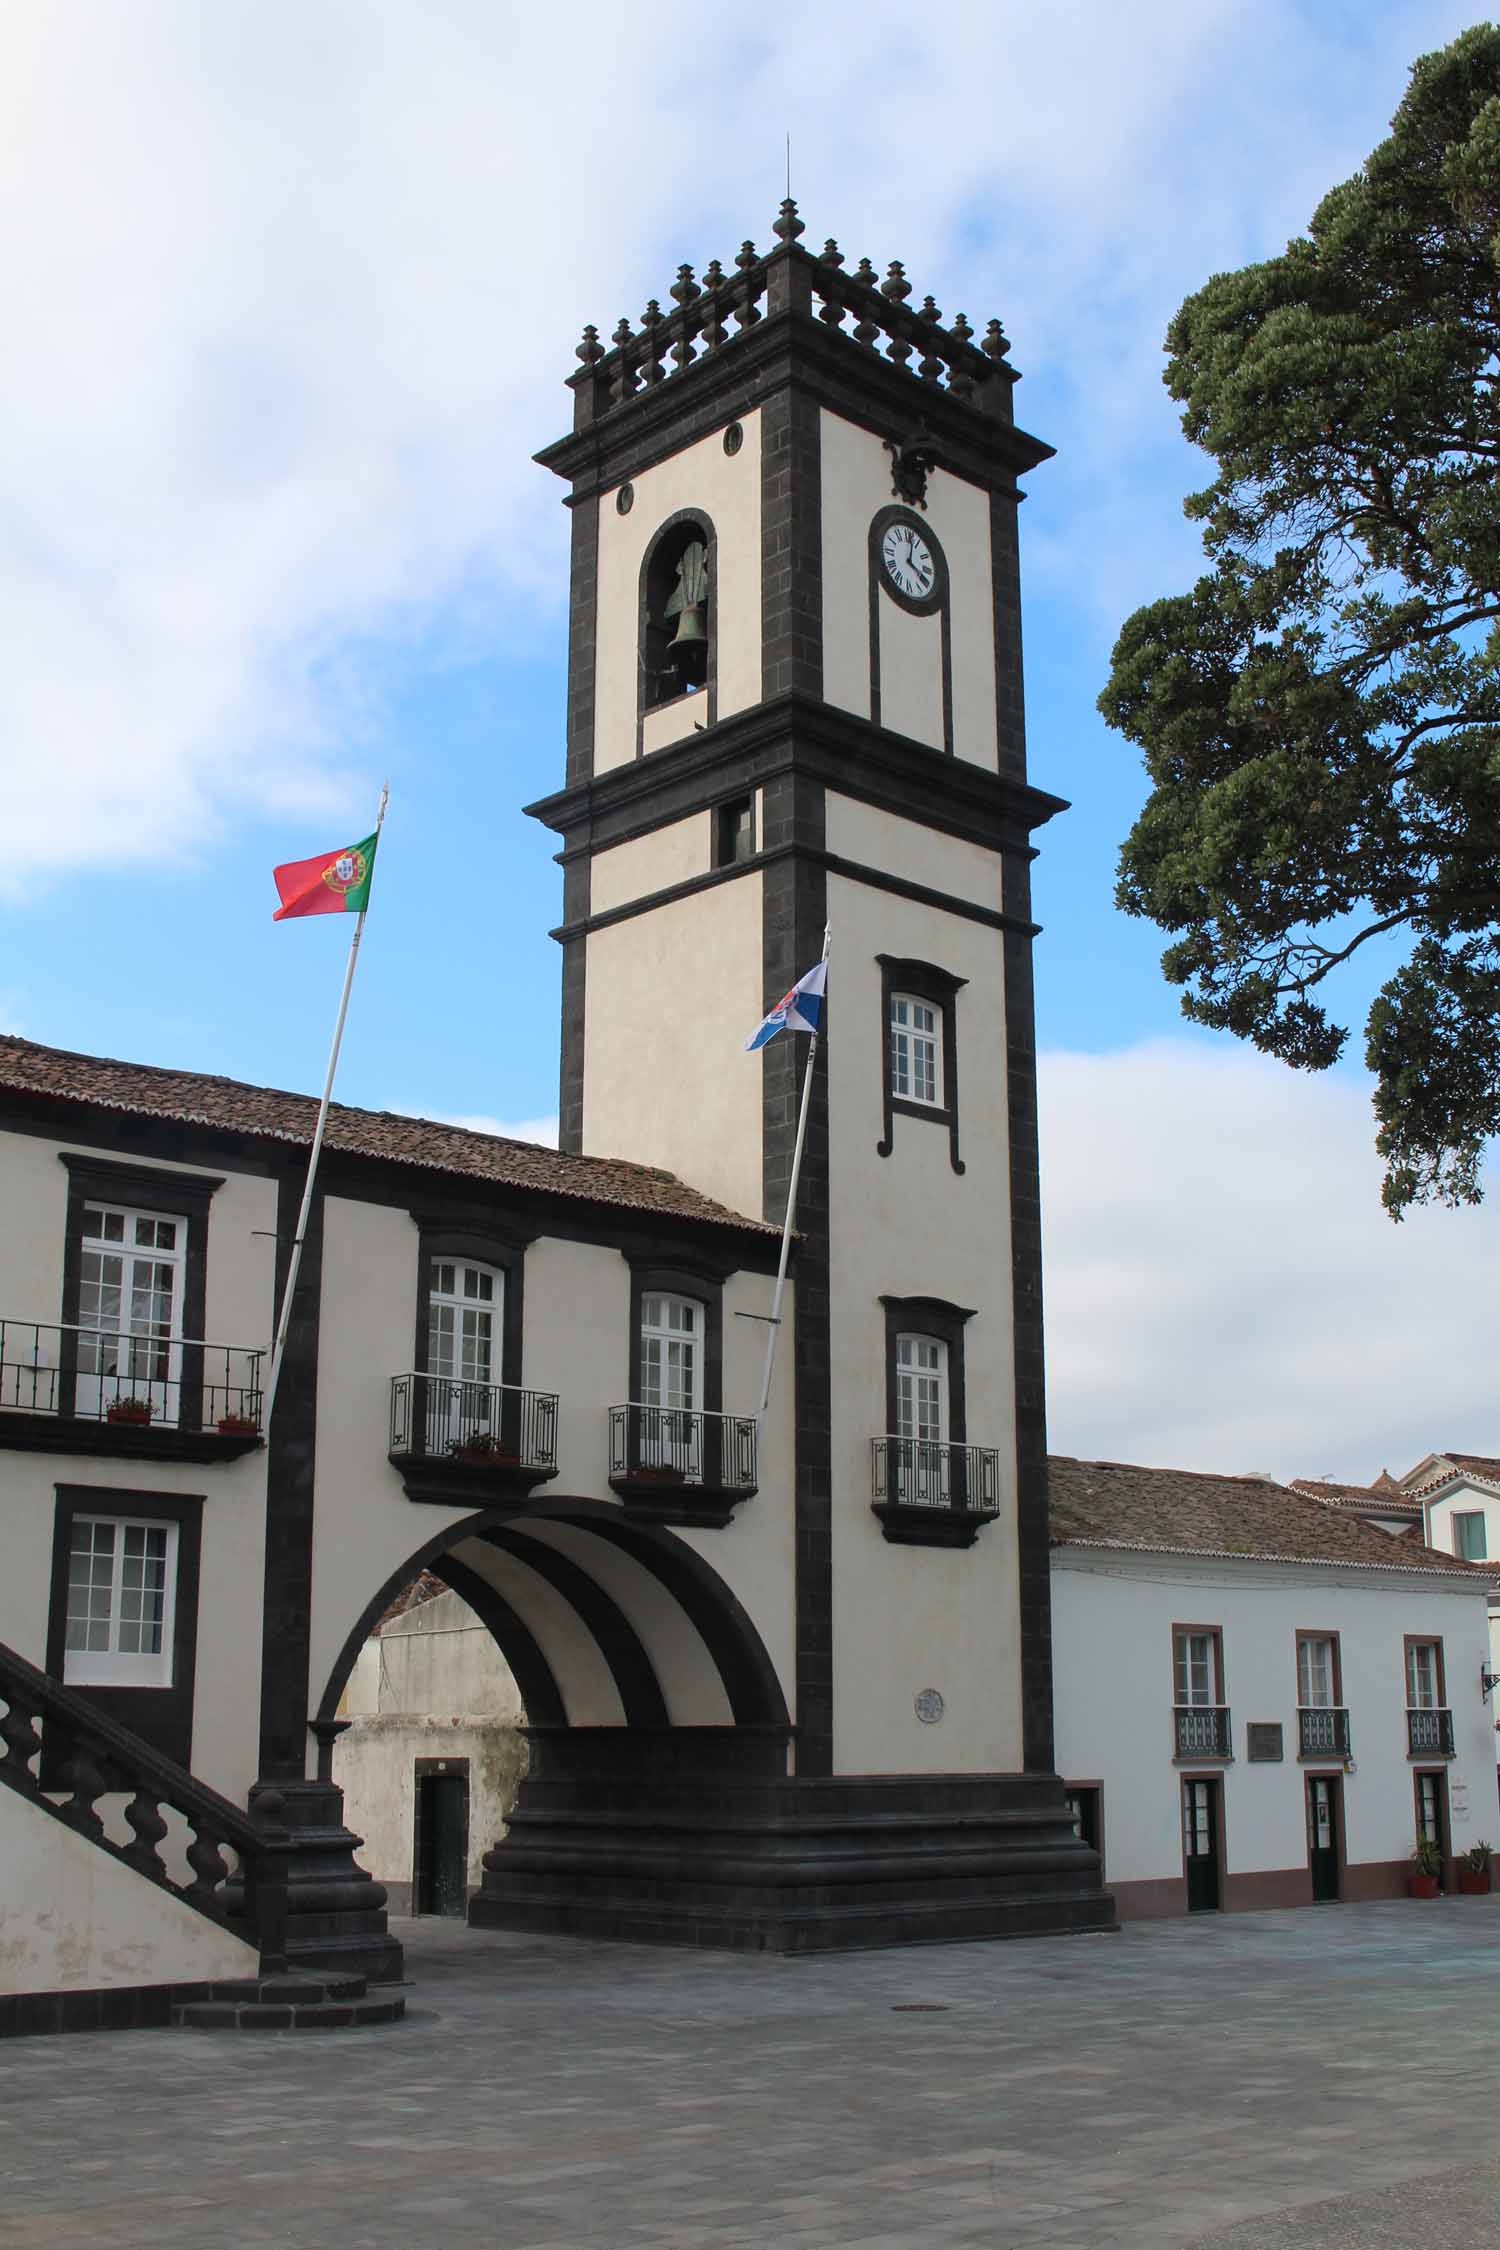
(801, 1009)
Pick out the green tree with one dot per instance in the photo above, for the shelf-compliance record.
(1320, 716)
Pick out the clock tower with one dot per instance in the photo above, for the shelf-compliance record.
(794, 702)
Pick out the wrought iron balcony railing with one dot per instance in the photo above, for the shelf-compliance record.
(1202, 1730)
(926, 1473)
(129, 1377)
(669, 1445)
(1322, 1730)
(1429, 1733)
(495, 1424)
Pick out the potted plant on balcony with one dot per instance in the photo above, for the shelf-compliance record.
(1424, 1869)
(238, 1425)
(133, 1413)
(483, 1448)
(1474, 1870)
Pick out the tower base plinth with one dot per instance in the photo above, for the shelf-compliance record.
(697, 1836)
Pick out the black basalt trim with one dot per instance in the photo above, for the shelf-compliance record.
(795, 903)
(795, 734)
(181, 1195)
(1005, 566)
(286, 1630)
(583, 621)
(619, 1644)
(119, 1441)
(541, 1696)
(161, 1716)
(924, 980)
(577, 887)
(788, 347)
(1035, 1588)
(130, 2007)
(874, 878)
(750, 1678)
(715, 1612)
(791, 544)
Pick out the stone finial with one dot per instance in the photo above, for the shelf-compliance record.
(831, 254)
(787, 225)
(591, 348)
(624, 334)
(866, 273)
(684, 289)
(960, 328)
(895, 285)
(748, 256)
(929, 310)
(714, 276)
(994, 342)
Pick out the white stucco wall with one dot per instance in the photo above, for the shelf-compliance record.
(72, 1919)
(726, 487)
(646, 864)
(1112, 1621)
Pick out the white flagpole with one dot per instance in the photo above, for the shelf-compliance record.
(284, 1320)
(791, 1208)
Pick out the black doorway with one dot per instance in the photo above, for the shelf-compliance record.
(1200, 1845)
(1323, 1835)
(440, 1875)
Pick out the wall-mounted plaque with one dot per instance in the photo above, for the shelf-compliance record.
(1263, 1741)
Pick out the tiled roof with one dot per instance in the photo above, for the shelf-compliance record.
(1183, 1512)
(191, 1098)
(1381, 1499)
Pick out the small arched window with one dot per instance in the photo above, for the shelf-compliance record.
(676, 607)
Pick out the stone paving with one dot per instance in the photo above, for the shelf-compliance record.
(1325, 2077)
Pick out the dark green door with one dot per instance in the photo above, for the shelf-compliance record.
(1323, 1835)
(1200, 1844)
(442, 1843)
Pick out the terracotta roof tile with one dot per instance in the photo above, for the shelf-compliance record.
(1384, 1499)
(264, 1113)
(1184, 1512)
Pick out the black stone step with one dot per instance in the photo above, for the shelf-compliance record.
(290, 2003)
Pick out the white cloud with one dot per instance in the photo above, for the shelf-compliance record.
(291, 286)
(1223, 1290)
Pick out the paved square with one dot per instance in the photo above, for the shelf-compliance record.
(1327, 2077)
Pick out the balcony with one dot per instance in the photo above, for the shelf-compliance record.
(126, 1394)
(1429, 1734)
(1202, 1730)
(931, 1494)
(670, 1466)
(1322, 1730)
(468, 1445)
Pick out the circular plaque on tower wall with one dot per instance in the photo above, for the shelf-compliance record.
(929, 1706)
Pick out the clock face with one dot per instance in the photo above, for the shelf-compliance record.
(909, 562)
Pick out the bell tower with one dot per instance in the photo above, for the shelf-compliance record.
(794, 699)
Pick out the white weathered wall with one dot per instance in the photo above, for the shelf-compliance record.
(727, 489)
(72, 1919)
(1112, 1620)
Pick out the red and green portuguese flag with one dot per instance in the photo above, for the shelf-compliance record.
(333, 883)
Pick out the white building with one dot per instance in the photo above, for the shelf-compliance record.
(1261, 1701)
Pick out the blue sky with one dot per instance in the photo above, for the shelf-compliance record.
(298, 289)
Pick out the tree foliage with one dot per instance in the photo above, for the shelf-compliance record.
(1320, 716)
